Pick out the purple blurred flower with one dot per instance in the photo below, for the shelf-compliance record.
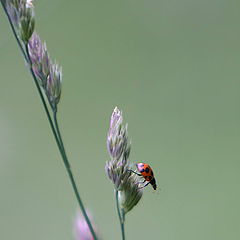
(81, 229)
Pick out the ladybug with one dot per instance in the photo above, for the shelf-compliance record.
(146, 172)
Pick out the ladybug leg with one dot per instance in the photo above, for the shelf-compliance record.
(142, 182)
(144, 185)
(135, 172)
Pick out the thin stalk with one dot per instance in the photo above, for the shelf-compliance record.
(59, 135)
(121, 217)
(70, 174)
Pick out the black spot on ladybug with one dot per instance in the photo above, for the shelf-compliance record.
(147, 170)
(142, 170)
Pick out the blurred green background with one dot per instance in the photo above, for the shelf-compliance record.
(173, 68)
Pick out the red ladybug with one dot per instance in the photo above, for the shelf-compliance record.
(146, 172)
